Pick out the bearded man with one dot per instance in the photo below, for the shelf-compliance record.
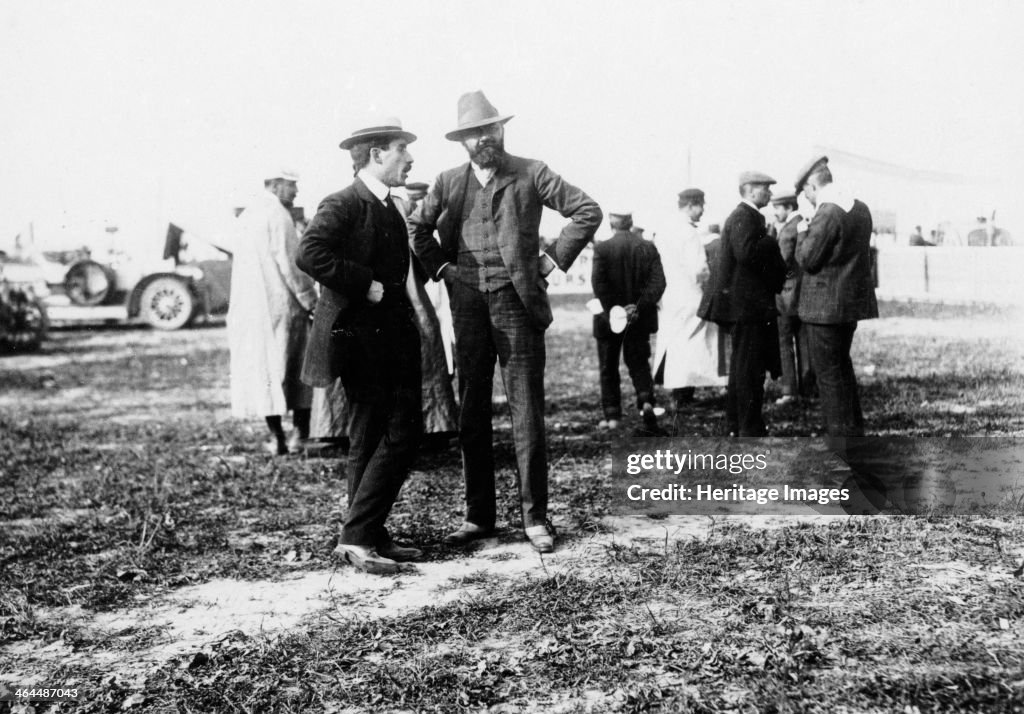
(487, 214)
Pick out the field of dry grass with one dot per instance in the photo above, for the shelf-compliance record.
(151, 554)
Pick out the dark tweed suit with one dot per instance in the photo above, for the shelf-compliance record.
(627, 271)
(837, 291)
(797, 373)
(506, 323)
(375, 348)
(750, 272)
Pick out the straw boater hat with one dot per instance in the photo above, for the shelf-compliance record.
(475, 111)
(385, 126)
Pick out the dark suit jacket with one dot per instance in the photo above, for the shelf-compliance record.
(627, 271)
(788, 300)
(523, 187)
(750, 271)
(835, 254)
(350, 242)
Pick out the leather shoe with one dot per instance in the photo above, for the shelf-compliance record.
(398, 553)
(467, 533)
(542, 538)
(367, 559)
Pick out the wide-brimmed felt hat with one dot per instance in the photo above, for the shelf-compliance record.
(474, 112)
(385, 126)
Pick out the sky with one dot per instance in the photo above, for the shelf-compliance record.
(136, 113)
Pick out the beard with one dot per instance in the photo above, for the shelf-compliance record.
(488, 155)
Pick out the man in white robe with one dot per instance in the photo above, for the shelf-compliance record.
(686, 355)
(269, 316)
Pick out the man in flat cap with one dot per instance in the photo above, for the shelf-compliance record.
(750, 272)
(627, 272)
(268, 321)
(836, 291)
(364, 332)
(487, 214)
(797, 373)
(686, 356)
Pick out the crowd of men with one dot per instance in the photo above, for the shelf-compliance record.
(373, 365)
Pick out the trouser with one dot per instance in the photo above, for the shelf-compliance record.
(797, 373)
(384, 432)
(492, 326)
(837, 383)
(636, 352)
(747, 366)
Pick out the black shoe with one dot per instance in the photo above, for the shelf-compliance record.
(399, 553)
(467, 533)
(367, 559)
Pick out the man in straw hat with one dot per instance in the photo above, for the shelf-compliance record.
(268, 321)
(364, 332)
(627, 272)
(487, 214)
(837, 291)
(750, 272)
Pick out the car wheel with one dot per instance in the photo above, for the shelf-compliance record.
(88, 283)
(27, 325)
(167, 304)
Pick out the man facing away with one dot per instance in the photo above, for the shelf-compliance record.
(365, 333)
(837, 291)
(627, 272)
(797, 374)
(268, 320)
(750, 273)
(487, 213)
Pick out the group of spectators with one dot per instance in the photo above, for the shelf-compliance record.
(781, 300)
(357, 328)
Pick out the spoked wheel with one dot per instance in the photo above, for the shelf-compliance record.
(25, 323)
(167, 304)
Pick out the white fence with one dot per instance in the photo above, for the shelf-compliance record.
(952, 274)
(958, 274)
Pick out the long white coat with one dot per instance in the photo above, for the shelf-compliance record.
(268, 317)
(687, 344)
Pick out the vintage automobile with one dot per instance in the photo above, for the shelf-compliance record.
(23, 319)
(168, 294)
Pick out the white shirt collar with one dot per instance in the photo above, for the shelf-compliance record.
(376, 186)
(751, 204)
(484, 176)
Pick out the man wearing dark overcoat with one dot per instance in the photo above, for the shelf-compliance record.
(836, 292)
(487, 214)
(750, 273)
(627, 272)
(364, 332)
(797, 374)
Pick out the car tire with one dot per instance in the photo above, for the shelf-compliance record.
(27, 327)
(89, 283)
(167, 303)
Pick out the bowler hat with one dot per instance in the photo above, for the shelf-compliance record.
(809, 168)
(690, 196)
(475, 111)
(756, 177)
(385, 126)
